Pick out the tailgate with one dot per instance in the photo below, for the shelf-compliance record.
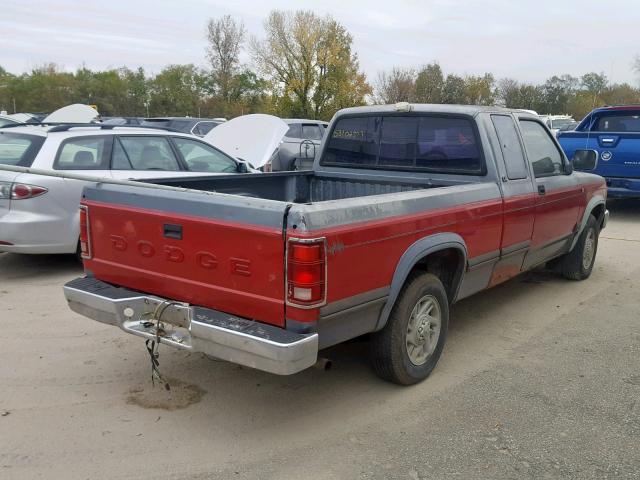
(619, 154)
(219, 251)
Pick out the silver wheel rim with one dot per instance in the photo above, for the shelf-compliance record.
(589, 249)
(423, 330)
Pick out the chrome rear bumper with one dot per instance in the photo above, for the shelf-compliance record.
(197, 329)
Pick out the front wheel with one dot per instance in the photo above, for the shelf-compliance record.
(407, 349)
(578, 263)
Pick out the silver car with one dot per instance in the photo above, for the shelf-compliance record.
(39, 213)
(299, 145)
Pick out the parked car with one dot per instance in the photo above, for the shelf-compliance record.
(569, 127)
(299, 145)
(39, 214)
(195, 126)
(407, 210)
(556, 122)
(4, 120)
(612, 136)
(123, 121)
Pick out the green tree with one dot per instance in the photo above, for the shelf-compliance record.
(479, 90)
(594, 83)
(225, 37)
(309, 63)
(397, 85)
(177, 90)
(429, 84)
(454, 90)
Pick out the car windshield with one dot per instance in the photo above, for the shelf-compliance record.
(561, 122)
(18, 149)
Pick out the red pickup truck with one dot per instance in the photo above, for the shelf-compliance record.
(408, 209)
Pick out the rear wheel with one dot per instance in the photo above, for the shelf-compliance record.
(407, 349)
(578, 263)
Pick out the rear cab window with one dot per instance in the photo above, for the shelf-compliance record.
(19, 149)
(618, 122)
(430, 143)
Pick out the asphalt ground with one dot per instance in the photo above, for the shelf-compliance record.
(540, 378)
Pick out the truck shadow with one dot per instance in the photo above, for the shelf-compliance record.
(349, 390)
(15, 266)
(624, 209)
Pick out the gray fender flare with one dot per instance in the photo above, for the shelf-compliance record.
(416, 252)
(593, 203)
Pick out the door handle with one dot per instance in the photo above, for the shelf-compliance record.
(541, 190)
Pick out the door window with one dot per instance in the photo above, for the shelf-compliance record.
(83, 153)
(511, 147)
(201, 157)
(144, 153)
(544, 156)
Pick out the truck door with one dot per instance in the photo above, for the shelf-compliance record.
(519, 201)
(558, 195)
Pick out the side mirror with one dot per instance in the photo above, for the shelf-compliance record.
(585, 160)
(242, 168)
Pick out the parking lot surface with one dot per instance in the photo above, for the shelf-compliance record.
(540, 378)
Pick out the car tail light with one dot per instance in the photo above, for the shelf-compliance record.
(20, 191)
(306, 272)
(85, 237)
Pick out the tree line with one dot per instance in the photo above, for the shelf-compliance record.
(563, 94)
(303, 66)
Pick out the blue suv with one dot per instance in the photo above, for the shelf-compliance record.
(612, 135)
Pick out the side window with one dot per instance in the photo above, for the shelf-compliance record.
(145, 153)
(543, 154)
(294, 131)
(398, 141)
(311, 132)
(354, 141)
(202, 128)
(511, 147)
(201, 157)
(83, 153)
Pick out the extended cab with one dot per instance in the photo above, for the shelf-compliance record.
(408, 209)
(611, 135)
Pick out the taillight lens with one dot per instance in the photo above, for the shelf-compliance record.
(85, 238)
(20, 191)
(306, 272)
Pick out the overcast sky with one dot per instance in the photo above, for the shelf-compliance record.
(529, 40)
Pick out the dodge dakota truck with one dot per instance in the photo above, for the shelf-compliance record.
(408, 209)
(612, 136)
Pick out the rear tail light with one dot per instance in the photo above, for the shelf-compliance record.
(20, 191)
(306, 272)
(85, 237)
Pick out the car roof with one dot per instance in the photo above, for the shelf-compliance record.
(44, 130)
(432, 108)
(303, 120)
(614, 108)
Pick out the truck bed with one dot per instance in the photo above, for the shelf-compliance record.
(302, 187)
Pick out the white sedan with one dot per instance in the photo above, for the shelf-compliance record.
(39, 213)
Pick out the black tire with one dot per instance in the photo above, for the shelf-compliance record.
(390, 357)
(578, 263)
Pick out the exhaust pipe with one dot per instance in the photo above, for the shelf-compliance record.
(323, 364)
